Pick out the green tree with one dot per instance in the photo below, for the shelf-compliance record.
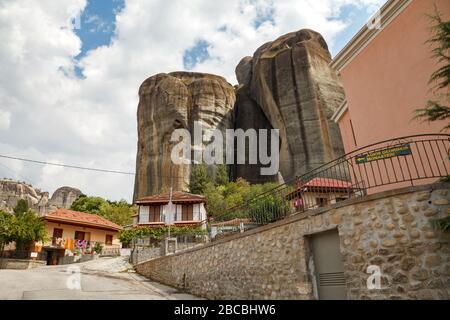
(6, 229)
(28, 228)
(440, 79)
(226, 202)
(199, 179)
(222, 175)
(88, 204)
(21, 207)
(119, 212)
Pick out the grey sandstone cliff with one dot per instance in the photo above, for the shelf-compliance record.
(175, 101)
(12, 191)
(288, 85)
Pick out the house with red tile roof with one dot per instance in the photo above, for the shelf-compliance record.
(186, 209)
(77, 233)
(320, 192)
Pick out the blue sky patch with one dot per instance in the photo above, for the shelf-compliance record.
(356, 17)
(97, 26)
(195, 55)
(264, 16)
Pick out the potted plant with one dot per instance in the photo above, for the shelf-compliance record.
(98, 248)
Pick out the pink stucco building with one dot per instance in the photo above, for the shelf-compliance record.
(385, 73)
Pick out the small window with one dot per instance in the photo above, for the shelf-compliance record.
(321, 202)
(155, 214)
(109, 240)
(188, 212)
(143, 214)
(57, 233)
(79, 235)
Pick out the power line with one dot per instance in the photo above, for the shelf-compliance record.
(170, 176)
(66, 165)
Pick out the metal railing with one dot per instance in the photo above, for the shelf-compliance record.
(395, 163)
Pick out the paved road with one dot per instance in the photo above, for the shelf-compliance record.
(102, 279)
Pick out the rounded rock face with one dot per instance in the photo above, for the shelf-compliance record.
(244, 71)
(176, 101)
(64, 197)
(289, 80)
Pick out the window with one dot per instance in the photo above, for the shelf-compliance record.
(178, 212)
(79, 235)
(197, 212)
(57, 234)
(143, 214)
(155, 214)
(187, 212)
(109, 240)
(322, 202)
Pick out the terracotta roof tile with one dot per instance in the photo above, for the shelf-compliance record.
(177, 197)
(82, 218)
(327, 183)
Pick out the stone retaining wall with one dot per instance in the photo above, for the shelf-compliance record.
(391, 230)
(18, 264)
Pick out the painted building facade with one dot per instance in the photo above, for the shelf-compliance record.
(385, 70)
(73, 233)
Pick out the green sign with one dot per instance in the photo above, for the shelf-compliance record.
(387, 153)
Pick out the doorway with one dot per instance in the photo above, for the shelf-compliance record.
(328, 266)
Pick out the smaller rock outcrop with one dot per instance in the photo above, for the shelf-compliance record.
(63, 197)
(12, 191)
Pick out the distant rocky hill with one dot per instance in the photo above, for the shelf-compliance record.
(12, 191)
(287, 85)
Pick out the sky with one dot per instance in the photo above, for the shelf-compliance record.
(70, 72)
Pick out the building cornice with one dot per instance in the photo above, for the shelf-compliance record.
(390, 10)
(340, 112)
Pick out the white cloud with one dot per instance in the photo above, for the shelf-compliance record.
(5, 120)
(48, 113)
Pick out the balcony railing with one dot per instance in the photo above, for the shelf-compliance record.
(396, 163)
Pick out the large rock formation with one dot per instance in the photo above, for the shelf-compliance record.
(175, 101)
(12, 191)
(288, 85)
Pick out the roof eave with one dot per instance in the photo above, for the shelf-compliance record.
(82, 223)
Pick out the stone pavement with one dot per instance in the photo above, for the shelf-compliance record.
(102, 279)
